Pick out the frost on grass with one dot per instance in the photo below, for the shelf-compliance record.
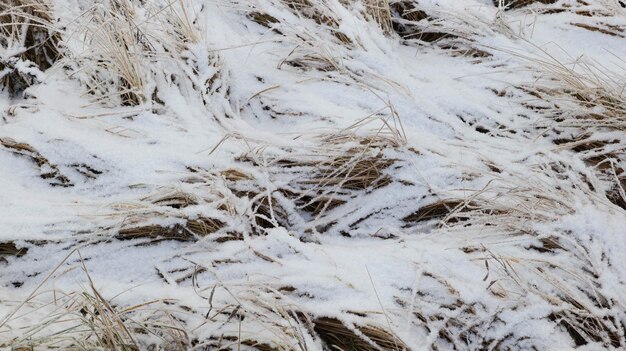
(28, 43)
(312, 175)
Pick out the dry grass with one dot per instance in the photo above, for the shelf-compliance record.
(314, 182)
(311, 53)
(12, 250)
(588, 95)
(312, 48)
(412, 23)
(48, 170)
(178, 18)
(264, 19)
(127, 51)
(189, 231)
(317, 11)
(28, 38)
(253, 316)
(583, 106)
(85, 320)
(612, 30)
(440, 311)
(356, 169)
(380, 12)
(435, 211)
(421, 25)
(331, 182)
(171, 205)
(266, 319)
(515, 208)
(337, 336)
(514, 4)
(350, 163)
(524, 200)
(116, 47)
(584, 99)
(263, 211)
(300, 189)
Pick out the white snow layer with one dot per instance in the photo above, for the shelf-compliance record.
(280, 103)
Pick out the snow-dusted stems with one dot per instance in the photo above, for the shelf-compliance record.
(183, 22)
(588, 95)
(26, 30)
(514, 202)
(512, 225)
(423, 23)
(28, 43)
(176, 24)
(587, 100)
(89, 321)
(380, 12)
(83, 319)
(116, 47)
(200, 208)
(315, 181)
(131, 54)
(267, 318)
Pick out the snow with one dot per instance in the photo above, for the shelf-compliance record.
(231, 101)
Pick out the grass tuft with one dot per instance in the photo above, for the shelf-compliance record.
(29, 43)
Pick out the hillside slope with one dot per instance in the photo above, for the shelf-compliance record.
(313, 175)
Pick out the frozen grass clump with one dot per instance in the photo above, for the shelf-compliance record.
(531, 250)
(29, 43)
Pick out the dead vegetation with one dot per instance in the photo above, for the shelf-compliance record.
(380, 12)
(189, 231)
(453, 323)
(585, 101)
(331, 182)
(612, 30)
(529, 201)
(333, 334)
(29, 43)
(337, 336)
(264, 19)
(435, 211)
(118, 47)
(579, 301)
(430, 26)
(313, 181)
(345, 166)
(171, 206)
(318, 12)
(48, 170)
(316, 182)
(10, 249)
(514, 4)
(265, 319)
(412, 23)
(91, 321)
(126, 49)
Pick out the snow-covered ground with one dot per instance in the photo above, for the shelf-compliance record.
(314, 175)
